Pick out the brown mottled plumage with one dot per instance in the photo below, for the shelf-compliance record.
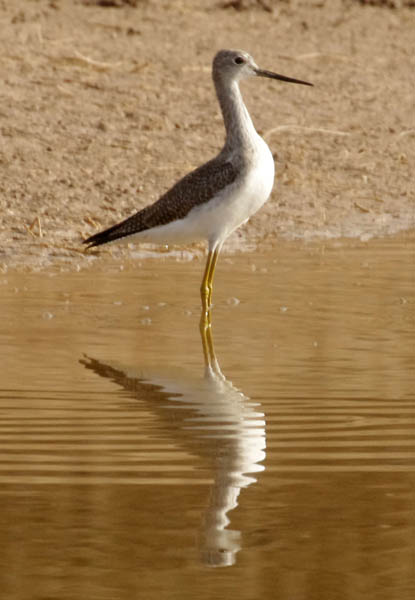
(194, 189)
(212, 201)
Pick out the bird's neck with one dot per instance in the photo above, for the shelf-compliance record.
(240, 131)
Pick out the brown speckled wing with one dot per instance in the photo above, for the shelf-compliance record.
(194, 189)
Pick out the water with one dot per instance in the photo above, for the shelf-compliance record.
(125, 473)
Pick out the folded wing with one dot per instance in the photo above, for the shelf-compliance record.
(194, 189)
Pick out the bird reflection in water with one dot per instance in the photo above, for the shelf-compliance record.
(211, 418)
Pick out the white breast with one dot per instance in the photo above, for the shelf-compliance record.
(259, 179)
(216, 219)
(246, 195)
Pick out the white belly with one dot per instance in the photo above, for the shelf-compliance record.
(244, 198)
(216, 219)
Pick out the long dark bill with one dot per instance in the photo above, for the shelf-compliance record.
(272, 75)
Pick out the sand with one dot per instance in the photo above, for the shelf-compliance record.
(103, 107)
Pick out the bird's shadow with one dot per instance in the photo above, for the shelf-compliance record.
(212, 419)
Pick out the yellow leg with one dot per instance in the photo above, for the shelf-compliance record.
(206, 288)
(205, 293)
(205, 318)
(211, 275)
(207, 282)
(207, 342)
(204, 328)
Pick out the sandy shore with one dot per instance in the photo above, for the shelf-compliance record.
(103, 108)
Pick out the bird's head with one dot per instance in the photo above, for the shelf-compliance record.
(233, 65)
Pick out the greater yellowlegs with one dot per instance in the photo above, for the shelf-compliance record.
(213, 200)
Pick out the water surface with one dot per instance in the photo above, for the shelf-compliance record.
(126, 472)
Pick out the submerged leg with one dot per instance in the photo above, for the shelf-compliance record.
(211, 363)
(206, 294)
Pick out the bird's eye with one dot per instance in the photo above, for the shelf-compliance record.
(239, 60)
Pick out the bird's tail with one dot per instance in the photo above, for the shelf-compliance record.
(111, 234)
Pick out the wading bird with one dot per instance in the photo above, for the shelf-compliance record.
(213, 200)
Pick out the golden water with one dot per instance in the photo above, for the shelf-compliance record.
(125, 472)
